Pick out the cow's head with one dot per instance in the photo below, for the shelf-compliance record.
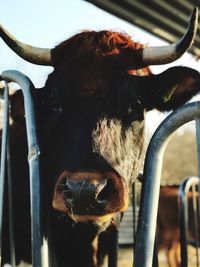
(92, 114)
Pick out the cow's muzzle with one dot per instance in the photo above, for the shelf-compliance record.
(90, 196)
(85, 195)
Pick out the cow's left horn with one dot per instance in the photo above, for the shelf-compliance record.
(36, 55)
(166, 54)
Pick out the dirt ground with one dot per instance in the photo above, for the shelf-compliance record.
(125, 258)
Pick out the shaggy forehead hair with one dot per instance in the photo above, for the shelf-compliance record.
(94, 47)
(105, 42)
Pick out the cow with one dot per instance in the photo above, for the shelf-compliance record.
(91, 121)
(168, 223)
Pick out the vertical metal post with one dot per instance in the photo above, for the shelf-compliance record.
(3, 162)
(11, 211)
(10, 186)
(151, 181)
(5, 165)
(113, 253)
(197, 121)
(183, 225)
(185, 187)
(134, 203)
(196, 219)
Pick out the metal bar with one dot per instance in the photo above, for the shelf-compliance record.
(151, 185)
(113, 253)
(195, 217)
(38, 242)
(10, 190)
(134, 203)
(197, 122)
(134, 215)
(155, 255)
(3, 163)
(183, 224)
(183, 190)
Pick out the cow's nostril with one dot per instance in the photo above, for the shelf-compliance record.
(67, 193)
(104, 194)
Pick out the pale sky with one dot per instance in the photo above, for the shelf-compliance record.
(45, 23)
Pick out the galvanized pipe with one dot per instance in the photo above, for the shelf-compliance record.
(151, 181)
(10, 182)
(134, 204)
(113, 250)
(196, 220)
(3, 163)
(38, 242)
(183, 190)
(197, 121)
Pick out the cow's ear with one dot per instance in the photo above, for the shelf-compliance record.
(174, 87)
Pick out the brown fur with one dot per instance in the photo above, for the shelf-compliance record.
(96, 46)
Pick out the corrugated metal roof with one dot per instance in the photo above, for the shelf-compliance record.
(165, 19)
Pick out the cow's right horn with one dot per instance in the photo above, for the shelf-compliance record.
(36, 55)
(167, 54)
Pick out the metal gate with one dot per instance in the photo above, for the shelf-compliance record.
(145, 235)
(38, 242)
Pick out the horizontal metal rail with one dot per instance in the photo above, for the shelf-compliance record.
(151, 181)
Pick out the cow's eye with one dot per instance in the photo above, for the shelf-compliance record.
(136, 106)
(57, 108)
(129, 111)
(134, 111)
(55, 105)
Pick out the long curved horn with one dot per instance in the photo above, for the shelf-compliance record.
(36, 55)
(167, 54)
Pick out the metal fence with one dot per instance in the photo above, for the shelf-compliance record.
(38, 242)
(145, 235)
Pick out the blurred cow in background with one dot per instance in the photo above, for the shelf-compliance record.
(168, 223)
